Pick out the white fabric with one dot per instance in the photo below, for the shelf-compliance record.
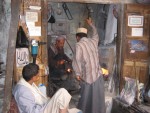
(60, 100)
(74, 110)
(61, 37)
(40, 98)
(111, 26)
(86, 59)
(82, 30)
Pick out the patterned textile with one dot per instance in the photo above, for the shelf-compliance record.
(13, 106)
(86, 59)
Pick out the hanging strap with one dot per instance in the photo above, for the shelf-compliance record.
(67, 11)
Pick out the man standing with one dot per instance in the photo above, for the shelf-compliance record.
(87, 70)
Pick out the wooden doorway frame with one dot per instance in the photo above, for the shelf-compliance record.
(15, 10)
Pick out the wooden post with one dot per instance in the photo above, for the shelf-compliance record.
(120, 42)
(44, 23)
(44, 11)
(15, 8)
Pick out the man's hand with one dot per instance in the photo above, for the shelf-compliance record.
(89, 21)
(60, 62)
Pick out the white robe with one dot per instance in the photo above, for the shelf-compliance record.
(30, 100)
(111, 26)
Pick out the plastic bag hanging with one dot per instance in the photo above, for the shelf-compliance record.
(22, 40)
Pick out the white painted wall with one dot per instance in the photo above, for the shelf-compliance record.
(5, 16)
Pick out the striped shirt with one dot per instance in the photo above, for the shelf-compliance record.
(86, 58)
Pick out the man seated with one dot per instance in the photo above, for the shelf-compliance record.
(31, 100)
(57, 59)
(60, 67)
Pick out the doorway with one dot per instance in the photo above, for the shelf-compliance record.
(72, 16)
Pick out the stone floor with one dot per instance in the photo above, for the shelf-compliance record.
(74, 100)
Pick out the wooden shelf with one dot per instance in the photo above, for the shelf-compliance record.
(137, 37)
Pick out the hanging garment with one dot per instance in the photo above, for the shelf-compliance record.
(22, 40)
(111, 26)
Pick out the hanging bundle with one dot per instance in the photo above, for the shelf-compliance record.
(22, 40)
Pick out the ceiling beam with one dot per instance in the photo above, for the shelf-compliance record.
(96, 1)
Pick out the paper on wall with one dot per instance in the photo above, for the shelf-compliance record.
(135, 20)
(22, 57)
(30, 24)
(31, 16)
(35, 31)
(35, 7)
(137, 32)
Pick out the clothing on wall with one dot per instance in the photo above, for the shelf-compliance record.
(111, 25)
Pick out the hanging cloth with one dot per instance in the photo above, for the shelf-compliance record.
(22, 40)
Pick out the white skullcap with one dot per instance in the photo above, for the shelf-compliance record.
(61, 37)
(82, 30)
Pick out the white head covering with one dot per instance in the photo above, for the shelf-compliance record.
(60, 37)
(82, 30)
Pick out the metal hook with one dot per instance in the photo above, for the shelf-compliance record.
(67, 12)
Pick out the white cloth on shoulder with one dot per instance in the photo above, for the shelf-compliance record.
(40, 98)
